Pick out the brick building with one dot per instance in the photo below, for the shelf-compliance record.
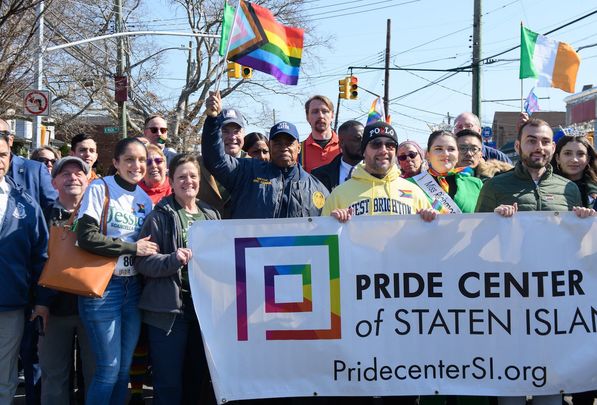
(581, 109)
(504, 124)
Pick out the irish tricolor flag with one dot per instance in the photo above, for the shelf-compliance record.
(553, 63)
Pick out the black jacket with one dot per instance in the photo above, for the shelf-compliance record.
(329, 174)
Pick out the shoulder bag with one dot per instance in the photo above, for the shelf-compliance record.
(72, 269)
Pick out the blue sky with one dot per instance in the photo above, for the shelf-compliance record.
(425, 34)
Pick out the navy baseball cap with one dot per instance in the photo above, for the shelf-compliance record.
(232, 116)
(284, 127)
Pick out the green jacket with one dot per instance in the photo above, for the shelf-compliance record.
(552, 193)
(467, 192)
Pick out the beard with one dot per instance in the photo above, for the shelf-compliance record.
(533, 163)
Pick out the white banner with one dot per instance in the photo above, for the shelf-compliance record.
(469, 304)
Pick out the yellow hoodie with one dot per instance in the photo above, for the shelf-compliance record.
(369, 195)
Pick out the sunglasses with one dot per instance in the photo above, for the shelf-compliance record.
(154, 130)
(378, 143)
(46, 161)
(157, 161)
(409, 155)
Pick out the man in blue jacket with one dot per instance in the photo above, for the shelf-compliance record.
(32, 176)
(277, 189)
(24, 239)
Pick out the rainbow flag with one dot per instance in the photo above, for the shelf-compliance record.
(437, 205)
(376, 112)
(258, 41)
(227, 19)
(406, 193)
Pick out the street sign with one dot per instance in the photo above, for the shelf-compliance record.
(486, 132)
(111, 130)
(36, 102)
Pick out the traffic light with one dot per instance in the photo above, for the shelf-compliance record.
(247, 72)
(233, 70)
(343, 88)
(353, 87)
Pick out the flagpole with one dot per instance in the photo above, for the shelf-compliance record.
(521, 84)
(221, 73)
(521, 95)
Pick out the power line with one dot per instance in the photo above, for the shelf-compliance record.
(433, 40)
(327, 16)
(487, 59)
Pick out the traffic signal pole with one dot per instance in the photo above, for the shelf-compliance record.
(337, 113)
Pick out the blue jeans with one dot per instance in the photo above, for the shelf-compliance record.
(178, 362)
(113, 323)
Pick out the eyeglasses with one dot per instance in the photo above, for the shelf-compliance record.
(154, 130)
(5, 133)
(157, 161)
(469, 149)
(409, 155)
(378, 143)
(46, 161)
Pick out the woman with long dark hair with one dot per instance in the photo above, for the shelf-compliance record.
(575, 159)
(453, 189)
(113, 321)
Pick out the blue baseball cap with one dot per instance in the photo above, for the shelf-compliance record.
(284, 127)
(232, 116)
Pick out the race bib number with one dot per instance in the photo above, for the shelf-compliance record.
(124, 266)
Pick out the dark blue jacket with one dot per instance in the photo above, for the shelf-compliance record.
(260, 189)
(24, 241)
(35, 179)
(493, 153)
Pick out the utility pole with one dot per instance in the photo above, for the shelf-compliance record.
(386, 89)
(39, 71)
(449, 118)
(189, 68)
(476, 108)
(120, 69)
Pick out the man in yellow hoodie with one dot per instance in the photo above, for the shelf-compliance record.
(375, 186)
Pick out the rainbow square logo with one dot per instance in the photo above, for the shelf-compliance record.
(272, 272)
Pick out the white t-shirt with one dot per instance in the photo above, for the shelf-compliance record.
(126, 213)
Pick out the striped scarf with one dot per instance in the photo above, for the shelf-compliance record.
(441, 177)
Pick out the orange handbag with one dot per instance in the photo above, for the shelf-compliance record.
(72, 269)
